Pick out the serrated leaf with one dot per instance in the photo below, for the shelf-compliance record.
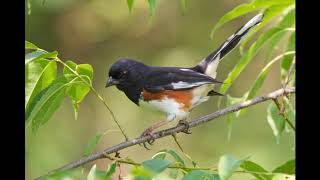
(287, 61)
(246, 8)
(38, 75)
(152, 7)
(130, 5)
(247, 57)
(29, 45)
(45, 103)
(254, 167)
(156, 165)
(227, 165)
(39, 54)
(275, 120)
(78, 90)
(269, 14)
(288, 167)
(92, 144)
(203, 175)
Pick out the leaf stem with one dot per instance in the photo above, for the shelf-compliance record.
(283, 113)
(131, 162)
(181, 149)
(97, 95)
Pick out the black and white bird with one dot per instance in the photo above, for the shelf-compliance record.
(173, 90)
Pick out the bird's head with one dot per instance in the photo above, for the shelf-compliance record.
(125, 73)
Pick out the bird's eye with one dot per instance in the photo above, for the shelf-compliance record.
(121, 74)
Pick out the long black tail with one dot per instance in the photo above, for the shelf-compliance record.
(210, 63)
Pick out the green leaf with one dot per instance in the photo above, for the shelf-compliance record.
(246, 8)
(45, 103)
(183, 4)
(234, 115)
(288, 167)
(130, 5)
(201, 175)
(289, 18)
(39, 54)
(287, 61)
(96, 174)
(284, 177)
(79, 89)
(156, 165)
(291, 113)
(227, 165)
(29, 45)
(253, 167)
(275, 120)
(92, 144)
(68, 174)
(162, 154)
(260, 79)
(29, 6)
(111, 170)
(287, 21)
(269, 14)
(38, 75)
(140, 173)
(152, 7)
(247, 57)
(173, 173)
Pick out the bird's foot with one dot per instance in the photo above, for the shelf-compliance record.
(186, 124)
(148, 132)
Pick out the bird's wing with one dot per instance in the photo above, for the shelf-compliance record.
(170, 78)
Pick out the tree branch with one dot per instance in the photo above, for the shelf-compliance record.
(174, 130)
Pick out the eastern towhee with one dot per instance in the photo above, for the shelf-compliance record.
(173, 90)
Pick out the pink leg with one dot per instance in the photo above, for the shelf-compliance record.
(149, 131)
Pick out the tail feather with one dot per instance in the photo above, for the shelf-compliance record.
(210, 63)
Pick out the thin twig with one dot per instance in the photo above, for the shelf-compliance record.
(181, 149)
(171, 131)
(97, 95)
(288, 78)
(283, 113)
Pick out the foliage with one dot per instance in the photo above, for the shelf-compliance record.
(45, 90)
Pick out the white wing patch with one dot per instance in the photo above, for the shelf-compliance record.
(183, 85)
(186, 70)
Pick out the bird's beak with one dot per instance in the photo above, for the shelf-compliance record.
(111, 82)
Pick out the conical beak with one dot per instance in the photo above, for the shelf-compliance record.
(111, 82)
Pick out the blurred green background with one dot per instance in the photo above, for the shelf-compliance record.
(99, 32)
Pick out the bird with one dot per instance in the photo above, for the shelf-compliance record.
(175, 91)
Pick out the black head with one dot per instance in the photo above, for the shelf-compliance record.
(125, 73)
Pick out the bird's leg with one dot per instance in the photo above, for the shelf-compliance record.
(149, 131)
(186, 124)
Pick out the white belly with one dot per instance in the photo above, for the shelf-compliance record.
(168, 106)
